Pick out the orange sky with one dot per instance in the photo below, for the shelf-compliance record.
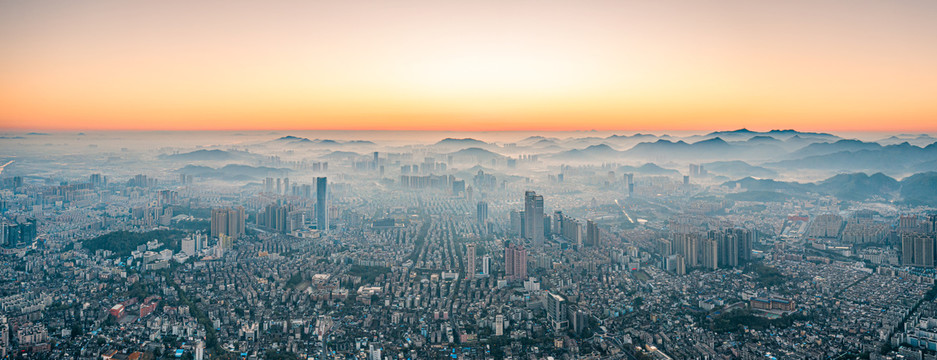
(469, 65)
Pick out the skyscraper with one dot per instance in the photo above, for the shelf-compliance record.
(470, 261)
(710, 253)
(593, 236)
(481, 212)
(533, 214)
(227, 221)
(322, 204)
(486, 265)
(515, 262)
(917, 249)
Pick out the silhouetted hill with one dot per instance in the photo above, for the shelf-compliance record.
(920, 189)
(460, 142)
(649, 169)
(591, 153)
(859, 186)
(764, 140)
(475, 154)
(208, 155)
(291, 140)
(899, 158)
(709, 149)
(824, 148)
(745, 134)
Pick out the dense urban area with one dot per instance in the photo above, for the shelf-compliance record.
(729, 245)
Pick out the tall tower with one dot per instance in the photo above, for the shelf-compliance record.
(470, 261)
(219, 222)
(322, 204)
(593, 235)
(533, 213)
(481, 212)
(200, 351)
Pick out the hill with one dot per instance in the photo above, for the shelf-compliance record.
(649, 169)
(739, 169)
(208, 155)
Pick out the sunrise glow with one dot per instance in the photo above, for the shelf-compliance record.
(429, 65)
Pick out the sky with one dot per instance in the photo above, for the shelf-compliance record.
(858, 65)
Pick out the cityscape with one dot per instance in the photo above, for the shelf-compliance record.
(418, 179)
(282, 246)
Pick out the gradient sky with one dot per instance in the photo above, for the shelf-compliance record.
(469, 65)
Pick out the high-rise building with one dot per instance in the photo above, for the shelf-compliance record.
(286, 186)
(570, 229)
(515, 262)
(481, 212)
(917, 249)
(709, 253)
(533, 213)
(5, 336)
(322, 204)
(470, 261)
(664, 247)
(517, 223)
(200, 351)
(18, 235)
(268, 185)
(593, 234)
(498, 325)
(228, 221)
(486, 265)
(688, 246)
(556, 311)
(98, 180)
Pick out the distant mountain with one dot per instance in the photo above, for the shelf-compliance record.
(913, 139)
(476, 155)
(899, 158)
(745, 134)
(208, 155)
(859, 186)
(232, 172)
(291, 138)
(584, 141)
(739, 169)
(318, 143)
(591, 153)
(460, 142)
(920, 189)
(764, 140)
(649, 169)
(925, 166)
(531, 140)
(823, 148)
(709, 149)
(342, 155)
